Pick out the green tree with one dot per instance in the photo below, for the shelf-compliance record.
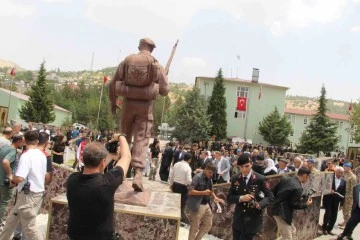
(40, 107)
(275, 128)
(355, 121)
(217, 108)
(173, 111)
(320, 134)
(161, 108)
(191, 120)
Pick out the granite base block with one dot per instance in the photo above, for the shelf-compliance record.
(159, 219)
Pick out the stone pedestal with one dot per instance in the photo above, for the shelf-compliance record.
(159, 219)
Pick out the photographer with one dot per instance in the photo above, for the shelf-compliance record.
(288, 195)
(90, 193)
(112, 146)
(8, 166)
(30, 177)
(251, 195)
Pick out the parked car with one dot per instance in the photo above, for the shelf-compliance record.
(79, 126)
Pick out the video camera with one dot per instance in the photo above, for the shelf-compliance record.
(111, 147)
(256, 195)
(307, 195)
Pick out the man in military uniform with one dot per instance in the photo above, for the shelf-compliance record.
(350, 180)
(139, 79)
(251, 194)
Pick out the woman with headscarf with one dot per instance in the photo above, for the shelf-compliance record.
(270, 167)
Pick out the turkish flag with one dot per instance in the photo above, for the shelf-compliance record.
(241, 103)
(350, 107)
(12, 72)
(119, 102)
(105, 79)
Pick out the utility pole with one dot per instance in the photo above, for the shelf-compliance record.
(92, 62)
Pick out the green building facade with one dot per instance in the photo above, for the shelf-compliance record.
(301, 118)
(244, 124)
(11, 101)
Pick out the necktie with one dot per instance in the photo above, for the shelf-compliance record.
(244, 179)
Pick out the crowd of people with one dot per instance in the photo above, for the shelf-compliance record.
(182, 165)
(103, 161)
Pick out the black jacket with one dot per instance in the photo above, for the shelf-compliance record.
(177, 157)
(333, 197)
(356, 192)
(167, 157)
(258, 168)
(247, 219)
(287, 194)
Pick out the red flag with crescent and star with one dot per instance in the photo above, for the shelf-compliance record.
(12, 72)
(241, 103)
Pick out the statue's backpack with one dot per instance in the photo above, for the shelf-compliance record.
(140, 70)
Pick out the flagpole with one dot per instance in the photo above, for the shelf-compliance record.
(12, 75)
(98, 115)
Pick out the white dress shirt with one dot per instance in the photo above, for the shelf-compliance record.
(337, 183)
(181, 173)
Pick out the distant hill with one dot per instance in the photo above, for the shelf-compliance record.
(176, 89)
(8, 64)
(311, 104)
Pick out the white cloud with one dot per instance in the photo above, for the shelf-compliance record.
(9, 8)
(168, 18)
(355, 29)
(56, 1)
(193, 62)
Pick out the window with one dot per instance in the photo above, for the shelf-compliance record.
(293, 118)
(238, 114)
(292, 132)
(351, 139)
(241, 92)
(341, 124)
(305, 120)
(340, 138)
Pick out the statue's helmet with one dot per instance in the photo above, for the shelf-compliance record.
(147, 41)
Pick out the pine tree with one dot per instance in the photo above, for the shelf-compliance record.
(217, 108)
(320, 135)
(40, 107)
(191, 120)
(275, 129)
(355, 121)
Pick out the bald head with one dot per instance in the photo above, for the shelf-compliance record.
(16, 128)
(8, 132)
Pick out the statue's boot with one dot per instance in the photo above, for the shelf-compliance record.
(137, 182)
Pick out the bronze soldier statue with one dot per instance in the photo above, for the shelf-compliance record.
(139, 79)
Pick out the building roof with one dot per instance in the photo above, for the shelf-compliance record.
(310, 113)
(26, 98)
(238, 80)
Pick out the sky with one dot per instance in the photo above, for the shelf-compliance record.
(301, 44)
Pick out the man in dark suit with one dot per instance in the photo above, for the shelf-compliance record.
(179, 154)
(331, 201)
(258, 164)
(166, 162)
(355, 215)
(288, 194)
(251, 194)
